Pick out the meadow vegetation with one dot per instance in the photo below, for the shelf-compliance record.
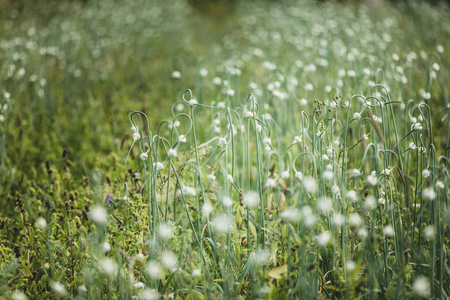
(268, 150)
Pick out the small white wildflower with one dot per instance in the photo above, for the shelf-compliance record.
(193, 102)
(356, 116)
(158, 166)
(230, 178)
(338, 219)
(144, 156)
(355, 219)
(335, 189)
(217, 81)
(310, 185)
(189, 191)
(429, 232)
(412, 146)
(248, 114)
(285, 174)
(139, 285)
(426, 173)
(176, 74)
(136, 136)
(422, 149)
(271, 182)
(211, 177)
(251, 199)
(196, 273)
(222, 141)
(388, 230)
(98, 215)
(440, 185)
(356, 173)
(303, 102)
(381, 201)
(258, 128)
(154, 270)
(267, 141)
(325, 157)
(297, 139)
(172, 152)
(18, 295)
(221, 105)
(82, 289)
(352, 195)
(370, 203)
(169, 260)
(182, 139)
(351, 265)
(106, 246)
(291, 214)
(327, 176)
(417, 126)
(386, 172)
(59, 288)
(362, 233)
(230, 92)
(429, 194)
(325, 205)
(221, 223)
(421, 287)
(329, 167)
(299, 175)
(309, 219)
(323, 239)
(330, 152)
(351, 73)
(309, 87)
(227, 202)
(165, 231)
(108, 266)
(203, 72)
(41, 223)
(207, 209)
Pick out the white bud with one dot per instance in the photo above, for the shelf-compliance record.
(182, 139)
(172, 153)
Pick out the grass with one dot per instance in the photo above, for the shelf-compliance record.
(286, 150)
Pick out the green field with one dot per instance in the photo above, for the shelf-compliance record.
(224, 150)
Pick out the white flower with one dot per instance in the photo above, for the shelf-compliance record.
(41, 223)
(303, 102)
(309, 87)
(222, 141)
(370, 203)
(221, 223)
(413, 120)
(193, 102)
(388, 230)
(230, 178)
(386, 172)
(299, 175)
(325, 157)
(412, 146)
(351, 73)
(154, 270)
(291, 215)
(426, 173)
(221, 105)
(267, 141)
(172, 152)
(323, 238)
(421, 286)
(217, 81)
(144, 155)
(356, 116)
(258, 127)
(429, 232)
(417, 126)
(108, 266)
(338, 219)
(98, 215)
(165, 231)
(136, 136)
(169, 260)
(327, 176)
(325, 205)
(211, 177)
(106, 246)
(429, 194)
(362, 233)
(176, 74)
(356, 173)
(189, 191)
(335, 189)
(59, 288)
(18, 295)
(248, 114)
(230, 92)
(355, 219)
(310, 184)
(440, 185)
(196, 273)
(227, 202)
(251, 199)
(285, 174)
(352, 195)
(203, 72)
(271, 182)
(309, 219)
(158, 166)
(207, 209)
(297, 139)
(182, 139)
(139, 285)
